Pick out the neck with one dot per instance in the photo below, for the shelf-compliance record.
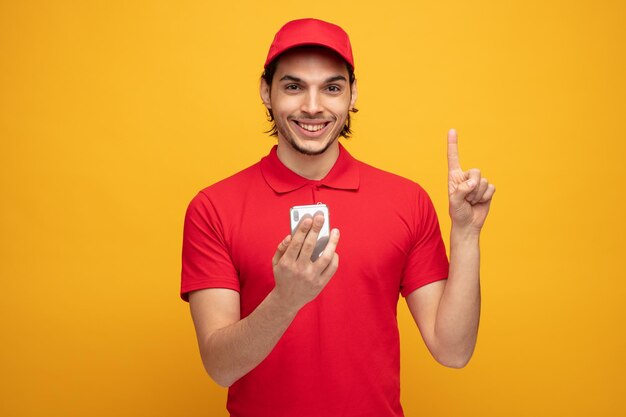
(312, 167)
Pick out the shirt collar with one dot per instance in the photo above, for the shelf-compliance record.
(343, 175)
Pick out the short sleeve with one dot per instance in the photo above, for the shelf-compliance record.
(427, 260)
(206, 262)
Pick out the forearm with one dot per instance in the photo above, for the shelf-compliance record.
(231, 352)
(456, 326)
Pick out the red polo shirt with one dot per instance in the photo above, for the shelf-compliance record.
(340, 356)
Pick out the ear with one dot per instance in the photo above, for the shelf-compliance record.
(354, 95)
(265, 93)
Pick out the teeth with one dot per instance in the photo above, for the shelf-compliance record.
(311, 128)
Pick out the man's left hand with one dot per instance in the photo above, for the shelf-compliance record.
(469, 193)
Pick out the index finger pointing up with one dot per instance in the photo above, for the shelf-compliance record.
(453, 151)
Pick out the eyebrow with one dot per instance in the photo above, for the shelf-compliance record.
(328, 80)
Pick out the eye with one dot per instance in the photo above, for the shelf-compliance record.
(334, 88)
(292, 87)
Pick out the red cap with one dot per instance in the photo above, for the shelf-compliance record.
(311, 32)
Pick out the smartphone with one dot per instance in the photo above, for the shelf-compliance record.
(298, 212)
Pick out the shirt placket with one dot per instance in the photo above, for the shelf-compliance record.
(316, 190)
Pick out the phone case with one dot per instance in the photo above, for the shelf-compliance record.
(298, 212)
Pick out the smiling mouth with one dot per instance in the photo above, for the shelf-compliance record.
(312, 127)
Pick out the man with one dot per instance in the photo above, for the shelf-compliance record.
(296, 337)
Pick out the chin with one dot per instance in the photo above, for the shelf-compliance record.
(311, 147)
(317, 149)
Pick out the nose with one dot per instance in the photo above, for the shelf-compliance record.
(312, 102)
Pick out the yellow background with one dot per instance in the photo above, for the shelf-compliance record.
(113, 114)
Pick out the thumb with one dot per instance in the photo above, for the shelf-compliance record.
(462, 190)
(281, 249)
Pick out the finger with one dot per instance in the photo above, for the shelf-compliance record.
(462, 190)
(329, 259)
(327, 254)
(297, 240)
(308, 246)
(331, 268)
(491, 189)
(480, 190)
(473, 174)
(281, 249)
(453, 151)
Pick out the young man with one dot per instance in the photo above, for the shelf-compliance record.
(296, 337)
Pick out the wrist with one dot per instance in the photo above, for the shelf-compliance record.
(466, 234)
(280, 305)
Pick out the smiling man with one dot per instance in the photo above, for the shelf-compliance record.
(292, 336)
(306, 105)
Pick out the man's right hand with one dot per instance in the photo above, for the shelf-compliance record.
(298, 279)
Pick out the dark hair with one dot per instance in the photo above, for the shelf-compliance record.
(268, 76)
